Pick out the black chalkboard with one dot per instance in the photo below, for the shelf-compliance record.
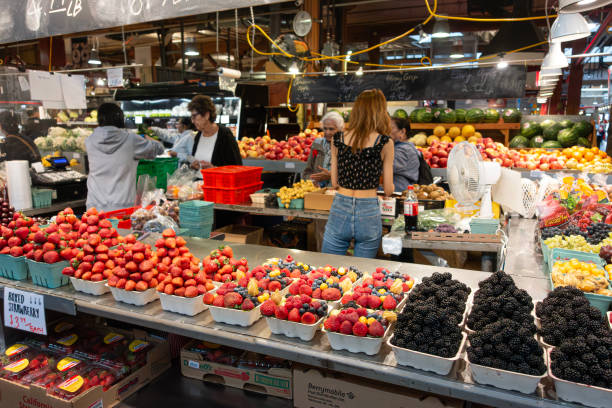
(29, 19)
(470, 83)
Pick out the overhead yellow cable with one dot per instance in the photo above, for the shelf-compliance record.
(433, 14)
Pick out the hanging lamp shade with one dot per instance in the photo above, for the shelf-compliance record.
(441, 28)
(94, 57)
(578, 6)
(555, 57)
(569, 27)
(553, 72)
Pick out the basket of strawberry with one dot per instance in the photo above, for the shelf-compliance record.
(294, 316)
(15, 242)
(383, 277)
(135, 277)
(24, 359)
(235, 304)
(268, 277)
(357, 330)
(221, 266)
(182, 284)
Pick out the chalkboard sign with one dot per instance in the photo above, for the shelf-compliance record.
(471, 83)
(29, 19)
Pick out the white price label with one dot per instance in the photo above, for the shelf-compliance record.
(290, 165)
(114, 77)
(24, 311)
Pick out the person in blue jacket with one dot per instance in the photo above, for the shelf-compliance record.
(113, 153)
(406, 159)
(184, 128)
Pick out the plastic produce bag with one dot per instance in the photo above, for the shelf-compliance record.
(160, 223)
(430, 219)
(145, 183)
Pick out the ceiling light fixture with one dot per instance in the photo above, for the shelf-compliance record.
(359, 72)
(94, 55)
(578, 6)
(423, 37)
(441, 28)
(553, 72)
(569, 27)
(191, 50)
(457, 51)
(555, 57)
(207, 29)
(542, 100)
(293, 69)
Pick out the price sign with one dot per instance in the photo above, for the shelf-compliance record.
(114, 77)
(24, 311)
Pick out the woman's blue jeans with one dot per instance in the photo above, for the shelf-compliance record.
(353, 218)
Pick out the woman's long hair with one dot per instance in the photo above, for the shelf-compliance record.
(369, 114)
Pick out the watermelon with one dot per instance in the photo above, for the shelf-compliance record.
(547, 123)
(519, 142)
(436, 114)
(567, 137)
(460, 114)
(474, 116)
(551, 144)
(530, 129)
(584, 128)
(550, 132)
(448, 116)
(491, 116)
(400, 113)
(511, 116)
(424, 116)
(536, 141)
(566, 124)
(413, 115)
(583, 142)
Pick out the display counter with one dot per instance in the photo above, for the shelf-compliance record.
(381, 367)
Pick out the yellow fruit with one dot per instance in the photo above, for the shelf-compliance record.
(446, 139)
(454, 132)
(431, 139)
(467, 131)
(459, 139)
(439, 131)
(472, 139)
(363, 319)
(478, 135)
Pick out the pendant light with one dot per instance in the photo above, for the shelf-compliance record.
(94, 55)
(553, 72)
(441, 28)
(191, 50)
(578, 6)
(569, 27)
(555, 57)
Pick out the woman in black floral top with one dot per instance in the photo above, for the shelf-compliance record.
(359, 158)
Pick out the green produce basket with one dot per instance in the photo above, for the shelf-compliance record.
(545, 251)
(600, 302)
(296, 204)
(159, 168)
(42, 197)
(48, 275)
(13, 268)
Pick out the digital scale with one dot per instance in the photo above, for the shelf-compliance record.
(68, 184)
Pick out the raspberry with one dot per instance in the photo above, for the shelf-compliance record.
(247, 304)
(363, 300)
(346, 327)
(374, 302)
(281, 313)
(294, 315)
(315, 304)
(332, 324)
(376, 329)
(362, 312)
(360, 329)
(294, 289)
(308, 318)
(389, 303)
(305, 299)
(232, 299)
(268, 308)
(274, 286)
(331, 294)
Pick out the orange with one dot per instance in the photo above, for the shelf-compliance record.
(602, 154)
(589, 155)
(577, 155)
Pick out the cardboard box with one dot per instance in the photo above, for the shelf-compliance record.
(241, 234)
(23, 396)
(276, 381)
(313, 388)
(318, 200)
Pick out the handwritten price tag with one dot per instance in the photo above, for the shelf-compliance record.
(24, 311)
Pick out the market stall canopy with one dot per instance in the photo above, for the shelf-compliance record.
(30, 19)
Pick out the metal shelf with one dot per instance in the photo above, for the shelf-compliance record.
(285, 212)
(381, 367)
(278, 166)
(54, 208)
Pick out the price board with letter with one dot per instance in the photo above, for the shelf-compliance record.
(24, 311)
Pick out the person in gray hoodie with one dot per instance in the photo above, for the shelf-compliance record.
(113, 154)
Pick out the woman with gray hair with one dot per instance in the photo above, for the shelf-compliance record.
(318, 166)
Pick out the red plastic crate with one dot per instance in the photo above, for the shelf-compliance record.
(231, 176)
(119, 214)
(230, 195)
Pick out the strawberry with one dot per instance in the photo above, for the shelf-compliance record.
(389, 303)
(168, 233)
(191, 291)
(227, 251)
(16, 251)
(305, 290)
(352, 316)
(281, 313)
(332, 324)
(376, 329)
(179, 291)
(69, 270)
(308, 318)
(208, 298)
(374, 302)
(360, 329)
(363, 300)
(331, 294)
(294, 315)
(247, 304)
(268, 308)
(232, 299)
(316, 293)
(274, 286)
(51, 257)
(218, 301)
(346, 327)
